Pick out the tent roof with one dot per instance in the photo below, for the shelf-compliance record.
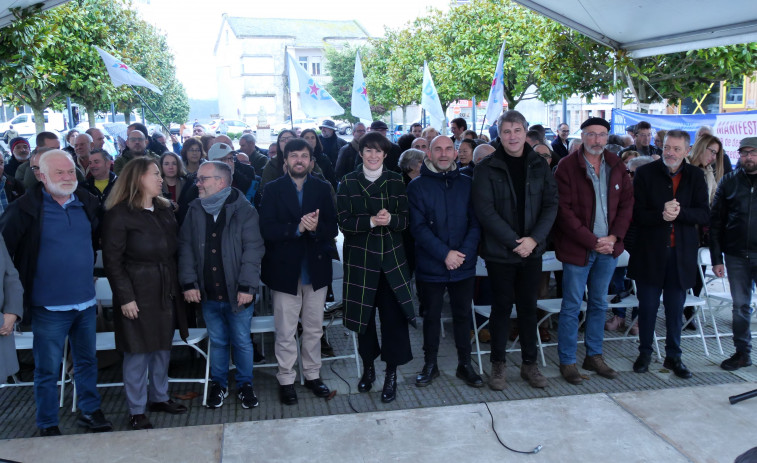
(6, 17)
(653, 27)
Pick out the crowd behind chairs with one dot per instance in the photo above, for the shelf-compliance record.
(188, 232)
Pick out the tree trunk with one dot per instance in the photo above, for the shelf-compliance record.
(91, 115)
(127, 117)
(444, 122)
(39, 117)
(404, 117)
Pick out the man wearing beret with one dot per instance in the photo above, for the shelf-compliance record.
(21, 153)
(733, 233)
(596, 205)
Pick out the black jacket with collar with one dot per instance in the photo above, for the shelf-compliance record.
(652, 188)
(21, 226)
(496, 207)
(280, 215)
(733, 219)
(89, 184)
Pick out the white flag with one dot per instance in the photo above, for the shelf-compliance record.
(121, 74)
(314, 99)
(430, 100)
(497, 92)
(361, 108)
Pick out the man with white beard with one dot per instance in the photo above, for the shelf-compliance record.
(50, 234)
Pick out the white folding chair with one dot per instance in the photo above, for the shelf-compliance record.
(25, 341)
(715, 300)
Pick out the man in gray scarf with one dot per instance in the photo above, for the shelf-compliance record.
(220, 249)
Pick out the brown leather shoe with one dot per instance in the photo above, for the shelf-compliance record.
(532, 374)
(571, 374)
(597, 363)
(497, 380)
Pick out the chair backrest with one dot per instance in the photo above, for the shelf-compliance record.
(703, 257)
(103, 292)
(549, 262)
(623, 259)
(337, 270)
(481, 268)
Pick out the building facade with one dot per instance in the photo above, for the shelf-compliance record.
(251, 62)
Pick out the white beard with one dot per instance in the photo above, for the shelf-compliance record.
(55, 189)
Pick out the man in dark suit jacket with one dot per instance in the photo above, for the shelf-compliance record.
(560, 143)
(298, 223)
(670, 201)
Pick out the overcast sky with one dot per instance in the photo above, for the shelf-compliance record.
(192, 26)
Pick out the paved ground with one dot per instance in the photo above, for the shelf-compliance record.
(559, 420)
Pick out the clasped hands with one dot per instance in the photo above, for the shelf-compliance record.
(606, 244)
(309, 222)
(382, 218)
(193, 295)
(9, 319)
(671, 210)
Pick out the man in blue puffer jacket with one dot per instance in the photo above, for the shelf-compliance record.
(446, 232)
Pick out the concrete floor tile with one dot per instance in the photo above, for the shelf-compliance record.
(174, 445)
(699, 421)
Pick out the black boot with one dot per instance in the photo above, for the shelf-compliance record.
(369, 376)
(427, 374)
(390, 385)
(466, 372)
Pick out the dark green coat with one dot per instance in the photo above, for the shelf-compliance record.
(369, 251)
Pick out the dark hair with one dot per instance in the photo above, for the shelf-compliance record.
(513, 117)
(415, 124)
(191, 141)
(460, 123)
(405, 142)
(42, 136)
(318, 146)
(534, 134)
(139, 126)
(376, 141)
(642, 126)
(207, 141)
(298, 144)
(539, 128)
(468, 141)
(278, 138)
(614, 139)
(678, 134)
(106, 155)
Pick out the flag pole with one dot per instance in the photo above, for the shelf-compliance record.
(483, 121)
(289, 85)
(144, 103)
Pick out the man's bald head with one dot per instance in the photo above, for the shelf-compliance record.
(98, 137)
(440, 139)
(482, 151)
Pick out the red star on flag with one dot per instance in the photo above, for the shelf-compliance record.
(314, 89)
(123, 66)
(364, 91)
(494, 82)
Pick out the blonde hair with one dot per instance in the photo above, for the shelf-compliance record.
(128, 186)
(697, 152)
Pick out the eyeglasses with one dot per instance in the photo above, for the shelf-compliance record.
(712, 151)
(595, 135)
(34, 168)
(285, 139)
(744, 153)
(204, 179)
(132, 139)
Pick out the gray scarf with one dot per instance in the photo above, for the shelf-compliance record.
(213, 203)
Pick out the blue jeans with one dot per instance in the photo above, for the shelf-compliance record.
(742, 273)
(227, 329)
(673, 298)
(50, 330)
(596, 275)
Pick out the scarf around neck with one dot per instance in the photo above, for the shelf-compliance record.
(213, 203)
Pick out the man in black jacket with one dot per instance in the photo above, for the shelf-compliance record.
(560, 143)
(670, 202)
(515, 198)
(733, 232)
(50, 233)
(298, 223)
(101, 178)
(330, 140)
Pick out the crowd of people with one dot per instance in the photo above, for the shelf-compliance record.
(188, 233)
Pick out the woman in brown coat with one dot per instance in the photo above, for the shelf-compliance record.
(139, 256)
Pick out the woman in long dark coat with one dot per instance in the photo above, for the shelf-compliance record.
(139, 255)
(372, 211)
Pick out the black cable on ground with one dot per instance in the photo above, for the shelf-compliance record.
(536, 449)
(349, 388)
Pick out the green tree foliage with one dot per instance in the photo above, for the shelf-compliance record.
(586, 68)
(46, 56)
(341, 68)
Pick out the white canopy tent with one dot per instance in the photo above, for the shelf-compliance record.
(6, 17)
(653, 27)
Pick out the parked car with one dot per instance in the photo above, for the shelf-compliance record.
(301, 123)
(24, 123)
(549, 134)
(344, 128)
(235, 126)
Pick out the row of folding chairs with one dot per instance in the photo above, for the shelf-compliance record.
(710, 301)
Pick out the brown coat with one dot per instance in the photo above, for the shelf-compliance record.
(139, 256)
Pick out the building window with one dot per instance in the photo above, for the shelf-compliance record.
(733, 94)
(304, 62)
(316, 69)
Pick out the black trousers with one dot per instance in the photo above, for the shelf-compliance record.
(395, 337)
(514, 284)
(460, 298)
